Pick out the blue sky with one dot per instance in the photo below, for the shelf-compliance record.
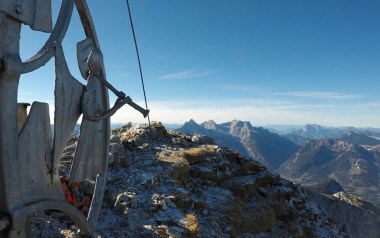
(267, 62)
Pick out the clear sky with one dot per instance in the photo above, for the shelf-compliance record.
(264, 61)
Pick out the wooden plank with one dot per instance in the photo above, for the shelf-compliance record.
(35, 156)
(91, 154)
(35, 13)
(68, 92)
(84, 49)
(10, 196)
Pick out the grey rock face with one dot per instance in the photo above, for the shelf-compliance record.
(358, 218)
(353, 167)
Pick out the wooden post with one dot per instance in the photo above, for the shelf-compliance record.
(9, 80)
(29, 159)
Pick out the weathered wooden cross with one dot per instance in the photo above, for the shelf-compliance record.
(29, 157)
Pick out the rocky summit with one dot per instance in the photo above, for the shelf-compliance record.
(168, 184)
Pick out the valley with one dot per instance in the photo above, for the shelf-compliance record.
(306, 155)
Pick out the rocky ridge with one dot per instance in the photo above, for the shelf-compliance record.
(354, 167)
(360, 138)
(358, 218)
(329, 186)
(168, 184)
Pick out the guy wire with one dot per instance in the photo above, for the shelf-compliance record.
(138, 58)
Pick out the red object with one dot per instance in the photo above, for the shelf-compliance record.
(66, 190)
(74, 195)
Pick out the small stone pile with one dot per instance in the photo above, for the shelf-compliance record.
(168, 184)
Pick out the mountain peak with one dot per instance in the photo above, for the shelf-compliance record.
(210, 124)
(241, 124)
(256, 143)
(315, 131)
(190, 126)
(191, 121)
(312, 127)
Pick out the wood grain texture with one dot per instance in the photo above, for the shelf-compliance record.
(35, 13)
(35, 156)
(68, 93)
(91, 154)
(84, 49)
(9, 79)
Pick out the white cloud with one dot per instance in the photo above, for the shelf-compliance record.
(187, 74)
(259, 112)
(319, 95)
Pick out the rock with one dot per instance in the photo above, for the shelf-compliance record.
(231, 155)
(124, 201)
(168, 184)
(242, 186)
(146, 179)
(126, 126)
(161, 202)
(115, 148)
(247, 167)
(88, 186)
(179, 170)
(111, 159)
(115, 139)
(71, 148)
(197, 139)
(204, 171)
(199, 154)
(128, 143)
(208, 140)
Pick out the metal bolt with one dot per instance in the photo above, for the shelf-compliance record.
(19, 9)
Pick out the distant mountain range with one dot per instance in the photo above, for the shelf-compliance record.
(352, 166)
(359, 136)
(314, 131)
(310, 128)
(256, 142)
(307, 155)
